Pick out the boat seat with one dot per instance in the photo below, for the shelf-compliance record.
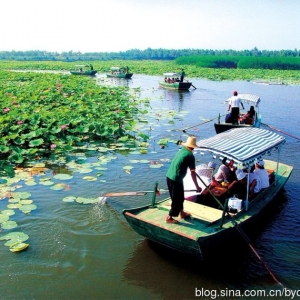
(202, 212)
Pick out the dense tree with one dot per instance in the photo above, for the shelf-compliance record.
(137, 54)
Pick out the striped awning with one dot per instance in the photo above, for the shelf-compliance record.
(243, 145)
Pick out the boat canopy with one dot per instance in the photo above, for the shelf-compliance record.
(170, 74)
(243, 145)
(248, 98)
(118, 68)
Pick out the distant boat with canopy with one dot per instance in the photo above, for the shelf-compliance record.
(172, 81)
(119, 72)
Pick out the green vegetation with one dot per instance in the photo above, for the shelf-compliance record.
(241, 62)
(158, 67)
(43, 114)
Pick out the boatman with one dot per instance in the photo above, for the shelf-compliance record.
(182, 161)
(182, 74)
(234, 103)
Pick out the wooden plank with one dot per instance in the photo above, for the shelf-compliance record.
(199, 211)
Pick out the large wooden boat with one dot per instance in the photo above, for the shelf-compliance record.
(250, 100)
(213, 226)
(83, 71)
(172, 81)
(119, 72)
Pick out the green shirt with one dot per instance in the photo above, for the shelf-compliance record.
(183, 160)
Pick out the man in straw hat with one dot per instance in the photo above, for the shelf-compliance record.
(183, 160)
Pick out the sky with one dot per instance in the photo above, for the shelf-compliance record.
(120, 25)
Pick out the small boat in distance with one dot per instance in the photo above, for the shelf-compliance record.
(214, 224)
(83, 71)
(251, 100)
(119, 72)
(172, 81)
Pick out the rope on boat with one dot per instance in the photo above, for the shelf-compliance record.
(243, 234)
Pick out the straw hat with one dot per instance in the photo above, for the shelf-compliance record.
(240, 174)
(191, 142)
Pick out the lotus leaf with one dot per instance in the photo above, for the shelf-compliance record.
(23, 202)
(4, 218)
(36, 142)
(18, 247)
(156, 166)
(22, 195)
(85, 170)
(63, 176)
(17, 236)
(28, 207)
(30, 182)
(13, 200)
(9, 212)
(128, 167)
(83, 200)
(144, 161)
(57, 187)
(46, 182)
(14, 205)
(9, 225)
(69, 199)
(89, 178)
(45, 179)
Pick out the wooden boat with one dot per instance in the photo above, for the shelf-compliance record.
(249, 99)
(83, 71)
(211, 226)
(172, 81)
(88, 73)
(119, 72)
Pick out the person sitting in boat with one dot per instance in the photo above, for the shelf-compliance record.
(172, 80)
(92, 68)
(223, 173)
(228, 118)
(166, 79)
(177, 79)
(262, 173)
(80, 70)
(249, 117)
(239, 187)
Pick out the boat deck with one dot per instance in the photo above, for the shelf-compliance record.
(202, 217)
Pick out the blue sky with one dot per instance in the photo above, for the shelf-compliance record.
(120, 25)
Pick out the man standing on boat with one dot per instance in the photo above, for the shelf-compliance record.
(182, 74)
(234, 103)
(183, 160)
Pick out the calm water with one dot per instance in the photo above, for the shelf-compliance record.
(89, 251)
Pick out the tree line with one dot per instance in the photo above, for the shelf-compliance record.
(147, 54)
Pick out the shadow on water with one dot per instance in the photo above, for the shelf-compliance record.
(232, 266)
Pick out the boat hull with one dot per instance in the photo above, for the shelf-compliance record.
(201, 234)
(176, 85)
(226, 126)
(86, 73)
(126, 75)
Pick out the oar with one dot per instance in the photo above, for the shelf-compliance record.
(191, 84)
(139, 193)
(184, 129)
(280, 131)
